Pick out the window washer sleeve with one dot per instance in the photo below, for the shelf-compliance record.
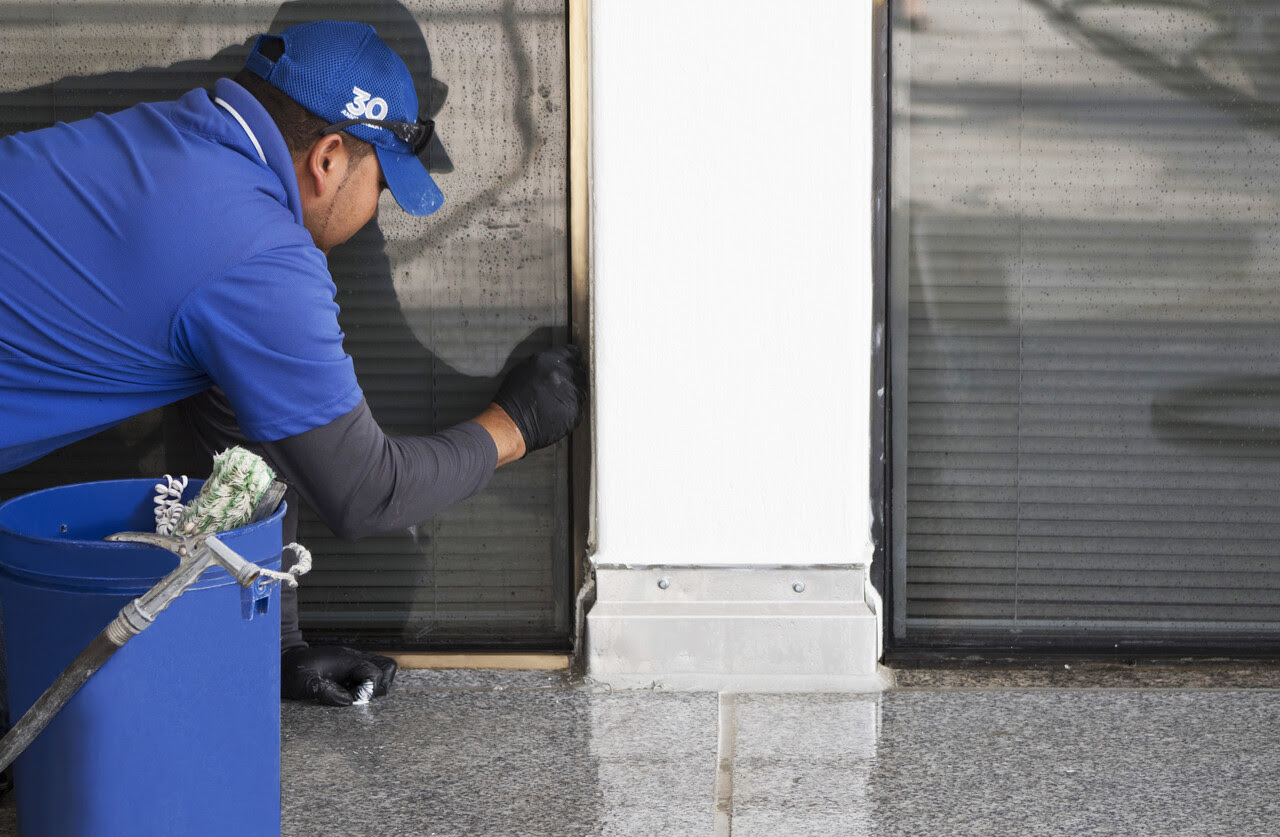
(357, 479)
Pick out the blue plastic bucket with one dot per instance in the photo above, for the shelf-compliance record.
(178, 734)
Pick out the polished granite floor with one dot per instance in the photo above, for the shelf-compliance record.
(1018, 753)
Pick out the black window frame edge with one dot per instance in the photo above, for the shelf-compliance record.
(881, 461)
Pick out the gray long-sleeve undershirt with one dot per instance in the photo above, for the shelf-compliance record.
(357, 479)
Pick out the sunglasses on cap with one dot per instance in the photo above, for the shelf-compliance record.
(417, 134)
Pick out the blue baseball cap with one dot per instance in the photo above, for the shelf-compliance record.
(343, 73)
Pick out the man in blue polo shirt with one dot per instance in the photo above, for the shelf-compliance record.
(172, 248)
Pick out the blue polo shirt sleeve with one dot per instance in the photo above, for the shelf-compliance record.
(267, 332)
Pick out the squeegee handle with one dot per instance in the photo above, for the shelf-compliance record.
(241, 570)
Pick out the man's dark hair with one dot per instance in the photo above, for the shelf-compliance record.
(299, 126)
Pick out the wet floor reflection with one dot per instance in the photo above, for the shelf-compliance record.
(459, 754)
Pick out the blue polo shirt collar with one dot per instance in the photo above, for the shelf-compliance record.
(267, 134)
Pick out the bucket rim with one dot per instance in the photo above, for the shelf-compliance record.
(9, 531)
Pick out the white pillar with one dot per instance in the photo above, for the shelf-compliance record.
(732, 295)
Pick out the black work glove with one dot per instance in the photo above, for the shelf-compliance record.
(334, 676)
(545, 395)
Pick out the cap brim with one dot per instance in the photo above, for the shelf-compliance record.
(409, 182)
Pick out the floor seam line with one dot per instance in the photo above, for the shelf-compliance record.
(726, 744)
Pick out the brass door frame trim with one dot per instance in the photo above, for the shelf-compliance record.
(480, 661)
(581, 458)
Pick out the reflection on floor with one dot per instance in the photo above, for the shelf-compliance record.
(1016, 753)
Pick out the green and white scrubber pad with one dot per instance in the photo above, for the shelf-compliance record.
(228, 499)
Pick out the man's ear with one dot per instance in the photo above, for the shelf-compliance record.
(325, 164)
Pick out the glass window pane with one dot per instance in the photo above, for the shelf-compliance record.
(433, 309)
(1083, 308)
